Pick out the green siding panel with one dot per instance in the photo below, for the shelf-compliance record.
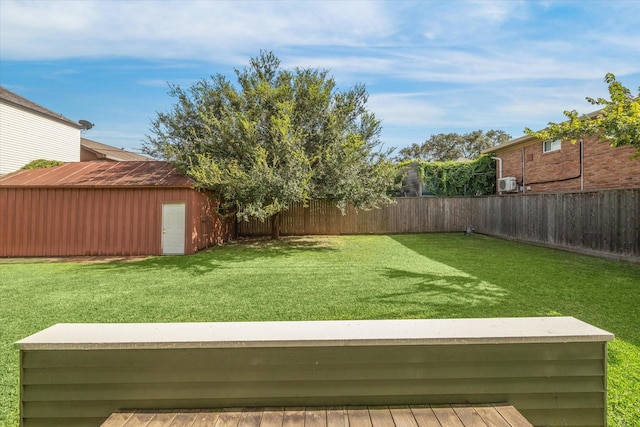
(338, 371)
(350, 355)
(551, 384)
(309, 389)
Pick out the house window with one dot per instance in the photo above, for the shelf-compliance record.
(548, 146)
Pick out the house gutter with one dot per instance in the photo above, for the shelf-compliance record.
(581, 165)
(523, 174)
(499, 160)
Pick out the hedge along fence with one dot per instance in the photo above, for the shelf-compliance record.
(604, 223)
(474, 178)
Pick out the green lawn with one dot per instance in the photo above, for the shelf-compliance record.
(355, 277)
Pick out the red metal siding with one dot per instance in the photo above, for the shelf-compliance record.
(102, 221)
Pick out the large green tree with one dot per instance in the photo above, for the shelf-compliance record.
(275, 138)
(618, 120)
(453, 146)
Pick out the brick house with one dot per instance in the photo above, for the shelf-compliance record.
(528, 164)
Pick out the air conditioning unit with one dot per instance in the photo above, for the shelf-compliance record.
(507, 184)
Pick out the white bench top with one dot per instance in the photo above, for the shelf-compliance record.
(313, 333)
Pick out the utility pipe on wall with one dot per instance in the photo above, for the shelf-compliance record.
(523, 174)
(581, 164)
(499, 160)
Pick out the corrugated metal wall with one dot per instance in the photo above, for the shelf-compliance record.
(552, 384)
(101, 221)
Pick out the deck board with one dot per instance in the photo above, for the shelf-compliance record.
(315, 417)
(381, 417)
(337, 417)
(491, 416)
(359, 416)
(229, 417)
(162, 419)
(512, 415)
(208, 418)
(469, 416)
(250, 418)
(272, 417)
(425, 416)
(293, 417)
(447, 416)
(496, 415)
(402, 416)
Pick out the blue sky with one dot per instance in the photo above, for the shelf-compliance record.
(429, 66)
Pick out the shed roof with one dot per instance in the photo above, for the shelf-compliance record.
(109, 152)
(18, 101)
(100, 174)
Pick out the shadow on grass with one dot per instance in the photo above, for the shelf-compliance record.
(602, 292)
(223, 257)
(444, 290)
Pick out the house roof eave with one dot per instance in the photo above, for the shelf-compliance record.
(22, 103)
(514, 143)
(527, 139)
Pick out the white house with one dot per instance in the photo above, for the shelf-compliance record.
(29, 131)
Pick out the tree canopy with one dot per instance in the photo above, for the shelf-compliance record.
(617, 122)
(275, 138)
(453, 146)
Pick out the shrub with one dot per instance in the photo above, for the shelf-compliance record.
(474, 178)
(41, 163)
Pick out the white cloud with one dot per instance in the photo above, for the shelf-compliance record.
(455, 23)
(168, 29)
(404, 109)
(496, 12)
(433, 66)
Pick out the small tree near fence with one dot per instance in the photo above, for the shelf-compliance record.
(274, 139)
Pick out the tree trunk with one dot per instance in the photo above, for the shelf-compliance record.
(275, 226)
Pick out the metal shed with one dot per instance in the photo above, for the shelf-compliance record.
(98, 208)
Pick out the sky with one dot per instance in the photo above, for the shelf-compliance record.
(429, 67)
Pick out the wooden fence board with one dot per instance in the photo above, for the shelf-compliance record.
(599, 222)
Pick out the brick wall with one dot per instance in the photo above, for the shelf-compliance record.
(605, 167)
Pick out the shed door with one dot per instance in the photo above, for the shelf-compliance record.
(173, 226)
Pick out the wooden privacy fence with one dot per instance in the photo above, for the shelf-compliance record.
(595, 222)
(603, 222)
(407, 215)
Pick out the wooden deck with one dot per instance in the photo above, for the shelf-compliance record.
(493, 415)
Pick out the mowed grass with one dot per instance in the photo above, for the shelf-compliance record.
(316, 278)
